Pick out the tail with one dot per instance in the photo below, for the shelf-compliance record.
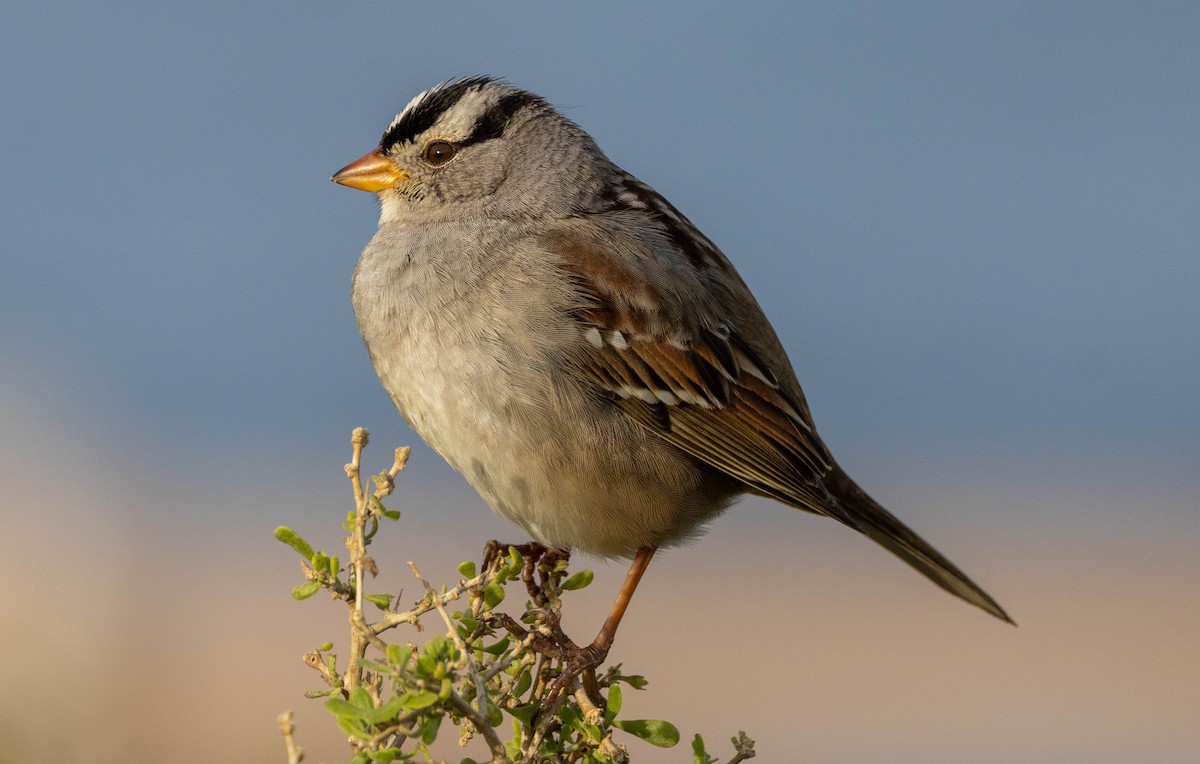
(864, 514)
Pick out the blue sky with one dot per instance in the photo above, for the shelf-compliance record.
(975, 226)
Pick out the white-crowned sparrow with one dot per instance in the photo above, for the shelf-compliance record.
(576, 347)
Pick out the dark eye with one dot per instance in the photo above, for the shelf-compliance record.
(439, 153)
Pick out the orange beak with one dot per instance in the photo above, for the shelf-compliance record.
(371, 172)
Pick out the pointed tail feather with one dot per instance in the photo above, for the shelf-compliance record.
(864, 514)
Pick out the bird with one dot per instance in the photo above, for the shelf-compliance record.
(577, 348)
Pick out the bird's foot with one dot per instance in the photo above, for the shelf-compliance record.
(574, 661)
(538, 559)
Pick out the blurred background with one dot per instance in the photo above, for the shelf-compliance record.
(975, 226)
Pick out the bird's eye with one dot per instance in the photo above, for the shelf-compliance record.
(439, 153)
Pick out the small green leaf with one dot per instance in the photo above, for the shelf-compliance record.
(385, 713)
(361, 698)
(653, 731)
(523, 683)
(570, 716)
(319, 561)
(493, 595)
(306, 590)
(499, 647)
(495, 716)
(426, 663)
(579, 580)
(429, 729)
(417, 700)
(292, 539)
(344, 708)
(380, 601)
(524, 713)
(326, 647)
(636, 682)
(699, 755)
(467, 569)
(387, 755)
(353, 727)
(391, 514)
(613, 706)
(398, 655)
(334, 566)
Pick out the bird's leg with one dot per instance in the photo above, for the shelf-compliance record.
(585, 659)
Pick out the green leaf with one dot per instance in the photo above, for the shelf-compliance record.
(613, 705)
(636, 682)
(343, 708)
(319, 561)
(381, 601)
(524, 682)
(493, 595)
(524, 713)
(495, 716)
(499, 647)
(385, 713)
(306, 590)
(326, 647)
(653, 731)
(353, 727)
(292, 539)
(398, 655)
(579, 580)
(429, 729)
(334, 566)
(426, 663)
(570, 716)
(361, 698)
(467, 569)
(699, 755)
(387, 755)
(419, 699)
(374, 666)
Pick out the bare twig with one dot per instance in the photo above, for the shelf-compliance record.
(744, 747)
(295, 754)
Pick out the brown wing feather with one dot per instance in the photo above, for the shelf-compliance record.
(685, 372)
(723, 404)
